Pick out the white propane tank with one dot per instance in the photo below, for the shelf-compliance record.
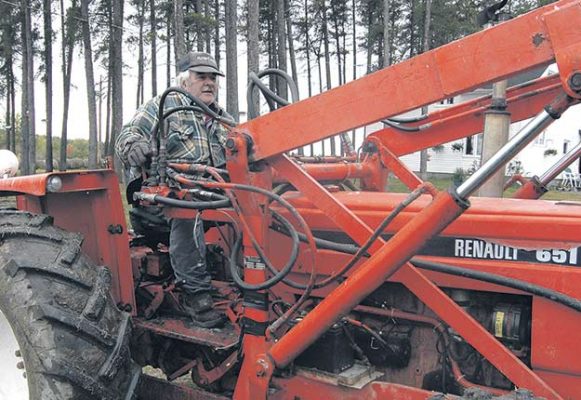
(8, 164)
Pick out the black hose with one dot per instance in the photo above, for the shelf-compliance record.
(500, 280)
(204, 107)
(452, 270)
(294, 213)
(270, 96)
(189, 204)
(279, 274)
(401, 127)
(322, 243)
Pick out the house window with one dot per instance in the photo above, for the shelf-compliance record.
(540, 140)
(565, 146)
(449, 100)
(473, 145)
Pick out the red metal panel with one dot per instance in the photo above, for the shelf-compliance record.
(30, 184)
(555, 338)
(89, 203)
(511, 219)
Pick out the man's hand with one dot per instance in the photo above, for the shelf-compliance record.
(138, 153)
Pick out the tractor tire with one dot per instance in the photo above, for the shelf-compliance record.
(73, 340)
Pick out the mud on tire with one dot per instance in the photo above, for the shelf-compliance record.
(73, 339)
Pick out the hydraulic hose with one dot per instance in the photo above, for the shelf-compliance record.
(270, 96)
(400, 127)
(323, 243)
(189, 204)
(280, 274)
(500, 280)
(279, 200)
(204, 107)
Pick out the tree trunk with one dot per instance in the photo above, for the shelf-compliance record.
(13, 107)
(427, 25)
(369, 39)
(271, 45)
(412, 26)
(117, 73)
(179, 38)
(11, 104)
(153, 27)
(109, 111)
(353, 6)
(344, 47)
(207, 28)
(336, 35)
(67, 56)
(90, 82)
(8, 116)
(168, 52)
(231, 59)
(308, 47)
(100, 118)
(28, 115)
(291, 46)
(140, 57)
(281, 49)
(217, 32)
(253, 47)
(199, 25)
(320, 72)
(47, 19)
(386, 40)
(24, 123)
(326, 43)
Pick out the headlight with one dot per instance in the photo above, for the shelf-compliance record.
(54, 184)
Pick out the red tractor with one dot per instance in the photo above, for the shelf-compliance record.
(333, 288)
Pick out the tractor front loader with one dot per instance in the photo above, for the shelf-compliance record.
(333, 287)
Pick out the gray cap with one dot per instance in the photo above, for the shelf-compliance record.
(199, 62)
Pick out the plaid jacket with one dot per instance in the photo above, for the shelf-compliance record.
(187, 138)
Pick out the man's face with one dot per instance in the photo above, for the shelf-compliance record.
(202, 85)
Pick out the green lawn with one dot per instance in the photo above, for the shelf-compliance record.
(395, 185)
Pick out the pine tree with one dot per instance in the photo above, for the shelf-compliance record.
(48, 37)
(231, 59)
(90, 83)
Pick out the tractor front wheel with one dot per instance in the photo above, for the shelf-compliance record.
(56, 308)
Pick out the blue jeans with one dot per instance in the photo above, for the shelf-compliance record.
(187, 251)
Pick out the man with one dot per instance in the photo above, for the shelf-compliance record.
(194, 137)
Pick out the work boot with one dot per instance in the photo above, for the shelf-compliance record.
(200, 307)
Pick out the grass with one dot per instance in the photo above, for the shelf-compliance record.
(395, 185)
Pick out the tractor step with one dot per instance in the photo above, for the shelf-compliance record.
(181, 329)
